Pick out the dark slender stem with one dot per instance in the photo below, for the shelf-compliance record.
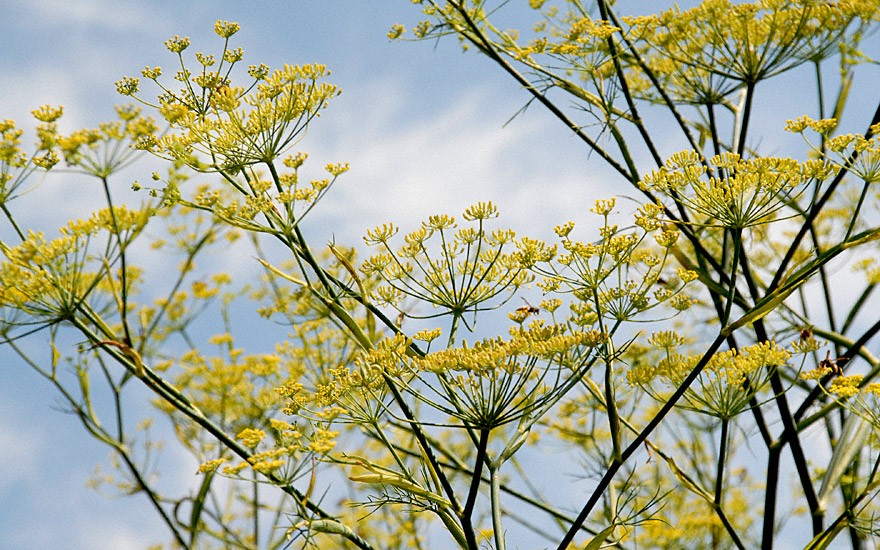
(624, 87)
(713, 130)
(772, 484)
(152, 496)
(797, 451)
(854, 310)
(821, 100)
(611, 407)
(656, 83)
(477, 473)
(722, 456)
(419, 434)
(729, 527)
(123, 278)
(615, 466)
(746, 116)
(483, 44)
(826, 288)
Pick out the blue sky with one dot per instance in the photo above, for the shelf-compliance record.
(420, 124)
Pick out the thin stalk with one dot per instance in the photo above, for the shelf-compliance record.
(611, 407)
(820, 93)
(771, 484)
(454, 463)
(713, 130)
(722, 460)
(151, 495)
(12, 221)
(624, 87)
(484, 45)
(746, 116)
(797, 451)
(826, 288)
(169, 393)
(729, 527)
(123, 313)
(734, 267)
(495, 494)
(854, 310)
(656, 83)
(478, 470)
(615, 466)
(856, 211)
(256, 507)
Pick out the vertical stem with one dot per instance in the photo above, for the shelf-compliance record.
(817, 207)
(478, 471)
(256, 506)
(611, 407)
(821, 99)
(772, 484)
(734, 267)
(722, 459)
(746, 115)
(713, 129)
(495, 488)
(123, 314)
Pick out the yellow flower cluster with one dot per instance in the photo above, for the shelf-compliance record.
(15, 164)
(493, 356)
(98, 152)
(845, 386)
(720, 389)
(703, 54)
(457, 269)
(600, 274)
(752, 191)
(859, 154)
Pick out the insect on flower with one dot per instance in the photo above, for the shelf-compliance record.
(528, 309)
(834, 364)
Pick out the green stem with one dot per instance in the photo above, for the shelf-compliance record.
(123, 278)
(495, 493)
(482, 43)
(624, 87)
(170, 394)
(9, 217)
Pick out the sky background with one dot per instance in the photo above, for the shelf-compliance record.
(421, 124)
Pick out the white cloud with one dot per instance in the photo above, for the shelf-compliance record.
(403, 171)
(20, 448)
(98, 13)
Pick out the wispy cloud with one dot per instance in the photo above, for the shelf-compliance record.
(108, 14)
(405, 170)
